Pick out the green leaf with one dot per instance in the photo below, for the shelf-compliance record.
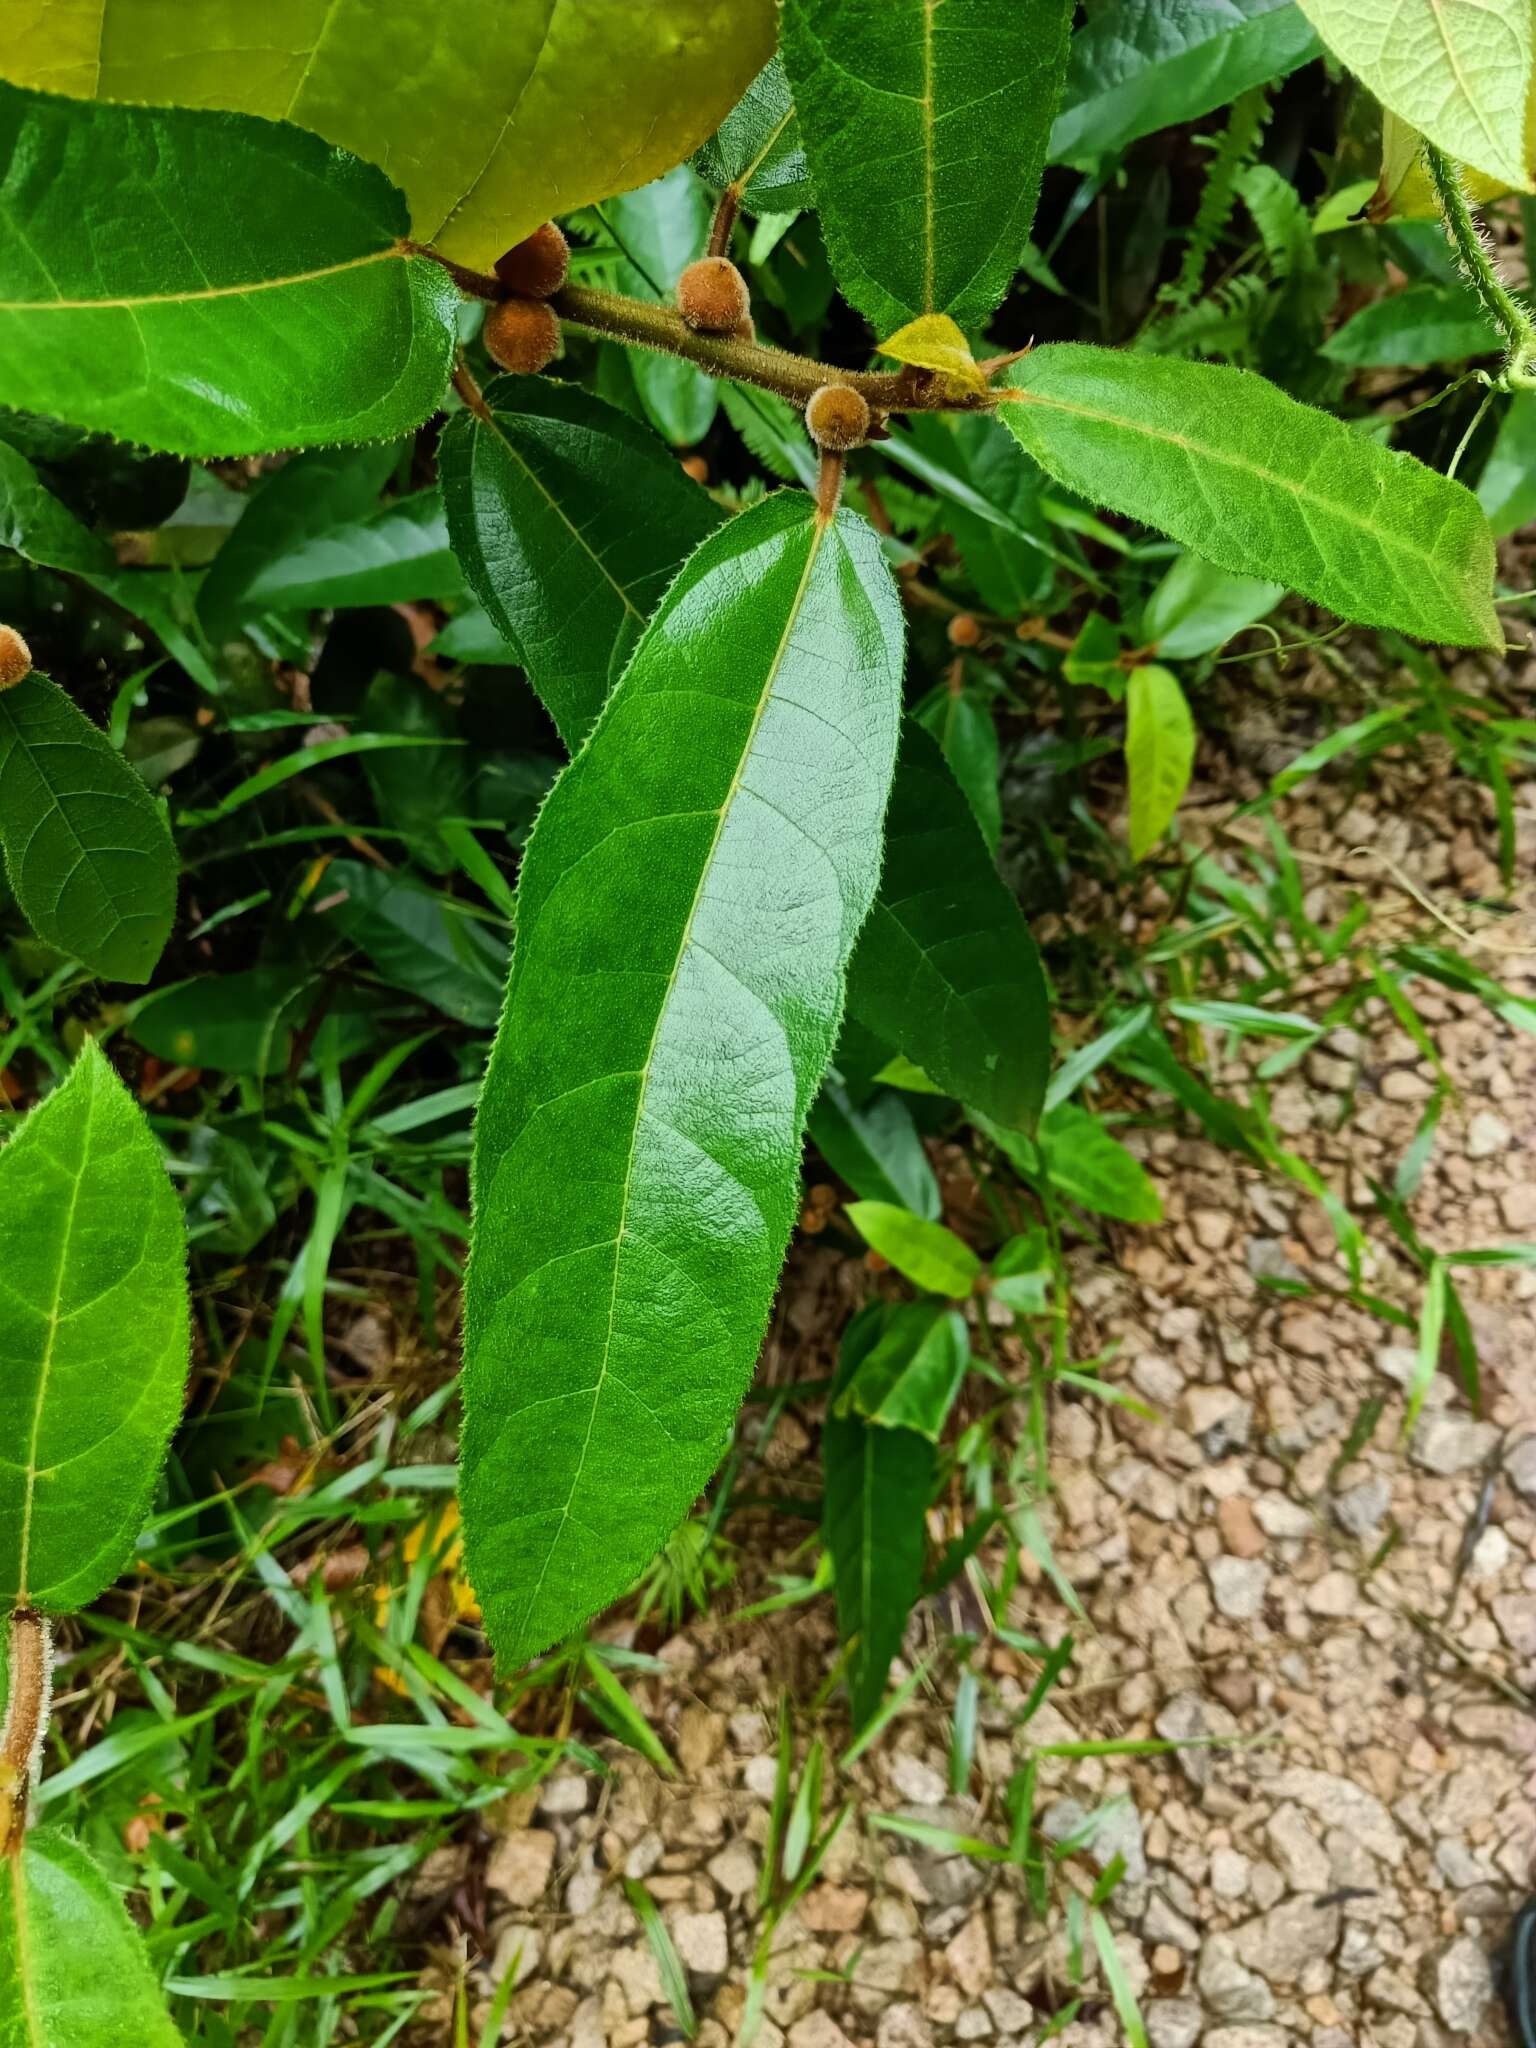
(1089, 1166)
(1140, 65)
(757, 149)
(418, 940)
(946, 971)
(688, 902)
(1506, 490)
(1261, 485)
(1198, 607)
(73, 1972)
(127, 262)
(1459, 70)
(94, 1257)
(910, 1377)
(1424, 323)
(925, 1253)
(1159, 753)
(661, 229)
(962, 723)
(875, 1146)
(313, 493)
(239, 1023)
(570, 520)
(391, 554)
(493, 114)
(878, 1484)
(925, 125)
(86, 847)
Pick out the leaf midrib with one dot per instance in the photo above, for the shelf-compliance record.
(55, 1317)
(576, 532)
(29, 2012)
(818, 533)
(213, 291)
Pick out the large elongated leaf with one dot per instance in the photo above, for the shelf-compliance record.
(87, 852)
(688, 902)
(73, 1972)
(1457, 69)
(925, 124)
(946, 970)
(93, 1355)
(491, 114)
(878, 1485)
(1261, 485)
(144, 292)
(1140, 65)
(1426, 323)
(569, 521)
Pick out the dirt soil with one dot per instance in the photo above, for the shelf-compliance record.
(1343, 1879)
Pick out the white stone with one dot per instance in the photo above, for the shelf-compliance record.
(702, 1943)
(1280, 1943)
(1238, 1585)
(1297, 1850)
(1487, 1134)
(1340, 1803)
(1451, 1443)
(1459, 1982)
(916, 1782)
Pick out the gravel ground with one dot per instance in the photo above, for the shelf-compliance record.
(1342, 1880)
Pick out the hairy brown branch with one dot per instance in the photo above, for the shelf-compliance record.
(794, 377)
(29, 1686)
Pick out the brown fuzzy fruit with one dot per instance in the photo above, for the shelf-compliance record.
(963, 630)
(521, 334)
(538, 265)
(15, 657)
(712, 296)
(837, 417)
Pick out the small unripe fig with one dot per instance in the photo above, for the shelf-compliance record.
(963, 630)
(521, 334)
(837, 417)
(712, 296)
(15, 657)
(536, 267)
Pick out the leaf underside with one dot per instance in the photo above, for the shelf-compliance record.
(93, 1338)
(688, 902)
(1459, 70)
(492, 115)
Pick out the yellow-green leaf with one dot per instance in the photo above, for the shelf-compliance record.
(928, 1254)
(1159, 753)
(492, 115)
(933, 342)
(1457, 69)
